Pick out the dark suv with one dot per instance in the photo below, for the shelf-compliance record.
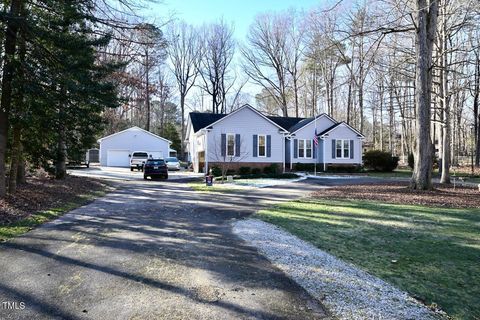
(155, 168)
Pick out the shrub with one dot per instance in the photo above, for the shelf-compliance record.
(271, 169)
(380, 161)
(256, 170)
(230, 172)
(411, 160)
(344, 169)
(216, 171)
(305, 167)
(244, 170)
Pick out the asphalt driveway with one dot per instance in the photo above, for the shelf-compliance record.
(150, 250)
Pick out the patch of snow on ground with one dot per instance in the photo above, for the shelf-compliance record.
(348, 293)
(324, 176)
(264, 183)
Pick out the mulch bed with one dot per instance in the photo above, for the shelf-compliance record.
(41, 193)
(399, 193)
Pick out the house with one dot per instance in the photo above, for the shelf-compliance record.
(248, 138)
(115, 149)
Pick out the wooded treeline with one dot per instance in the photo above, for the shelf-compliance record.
(53, 87)
(405, 73)
(357, 63)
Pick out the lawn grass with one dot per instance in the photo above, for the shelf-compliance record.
(24, 225)
(432, 253)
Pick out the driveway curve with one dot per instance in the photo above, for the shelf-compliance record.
(151, 251)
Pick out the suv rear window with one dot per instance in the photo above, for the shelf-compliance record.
(155, 162)
(172, 159)
(140, 155)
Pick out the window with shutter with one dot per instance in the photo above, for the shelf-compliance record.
(230, 145)
(262, 145)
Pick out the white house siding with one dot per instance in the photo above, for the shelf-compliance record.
(343, 132)
(308, 132)
(133, 139)
(196, 144)
(247, 123)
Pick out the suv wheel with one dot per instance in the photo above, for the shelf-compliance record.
(131, 168)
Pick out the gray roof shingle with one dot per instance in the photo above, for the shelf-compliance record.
(201, 120)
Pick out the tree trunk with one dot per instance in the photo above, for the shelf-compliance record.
(476, 111)
(147, 89)
(61, 158)
(391, 124)
(14, 159)
(182, 134)
(21, 175)
(446, 130)
(425, 35)
(60, 164)
(7, 77)
(349, 100)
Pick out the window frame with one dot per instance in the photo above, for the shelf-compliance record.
(265, 146)
(343, 148)
(304, 149)
(226, 144)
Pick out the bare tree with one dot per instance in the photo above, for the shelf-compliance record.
(218, 48)
(266, 56)
(426, 23)
(219, 153)
(184, 53)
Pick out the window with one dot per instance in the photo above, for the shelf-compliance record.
(230, 145)
(262, 145)
(305, 148)
(342, 149)
(308, 148)
(301, 148)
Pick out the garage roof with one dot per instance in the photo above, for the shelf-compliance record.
(134, 128)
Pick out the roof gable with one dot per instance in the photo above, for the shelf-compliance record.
(343, 123)
(306, 121)
(204, 120)
(134, 128)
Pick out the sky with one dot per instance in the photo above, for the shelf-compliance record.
(240, 12)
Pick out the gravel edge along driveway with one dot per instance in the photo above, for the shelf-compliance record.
(349, 293)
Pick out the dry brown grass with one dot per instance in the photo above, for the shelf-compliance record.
(41, 193)
(399, 193)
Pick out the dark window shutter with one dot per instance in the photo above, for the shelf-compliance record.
(237, 145)
(351, 148)
(334, 146)
(295, 148)
(223, 145)
(255, 145)
(314, 150)
(269, 146)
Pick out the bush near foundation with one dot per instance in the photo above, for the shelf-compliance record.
(380, 161)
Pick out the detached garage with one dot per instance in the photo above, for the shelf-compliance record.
(115, 149)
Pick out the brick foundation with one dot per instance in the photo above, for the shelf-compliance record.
(236, 165)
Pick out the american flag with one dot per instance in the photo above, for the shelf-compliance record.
(315, 138)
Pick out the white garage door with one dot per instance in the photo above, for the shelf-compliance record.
(156, 154)
(118, 158)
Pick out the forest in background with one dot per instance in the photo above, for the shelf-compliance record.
(354, 61)
(405, 73)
